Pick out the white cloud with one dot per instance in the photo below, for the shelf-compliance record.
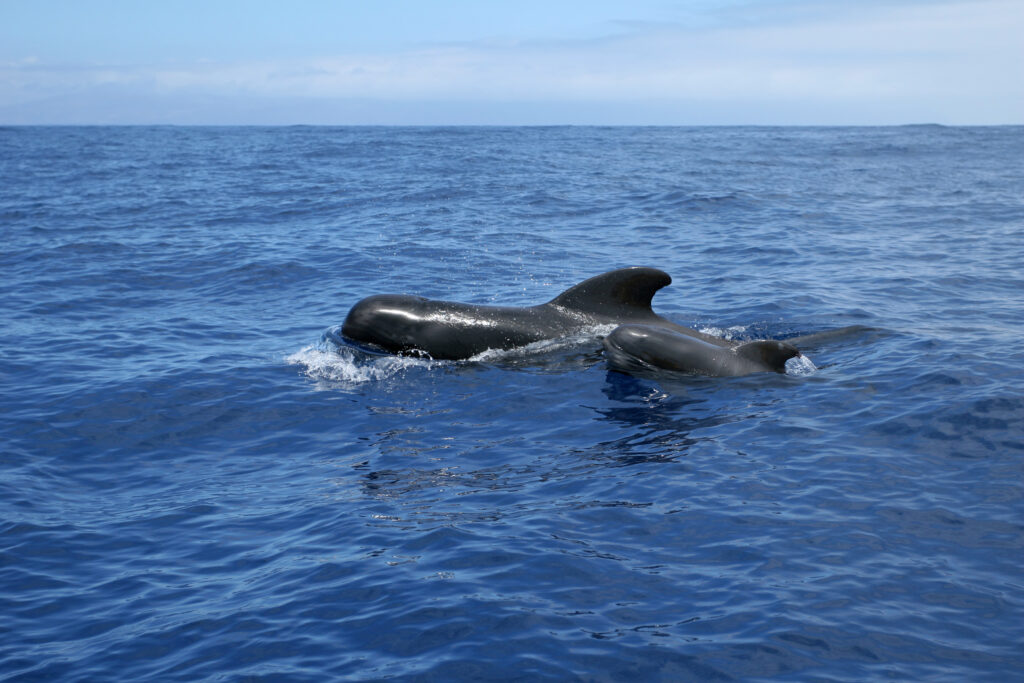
(945, 62)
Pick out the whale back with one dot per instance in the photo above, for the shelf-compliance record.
(618, 296)
(641, 349)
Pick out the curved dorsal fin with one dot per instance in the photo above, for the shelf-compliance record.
(771, 354)
(618, 291)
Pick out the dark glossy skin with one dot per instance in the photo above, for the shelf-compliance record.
(401, 323)
(640, 349)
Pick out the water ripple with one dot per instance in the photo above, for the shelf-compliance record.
(199, 483)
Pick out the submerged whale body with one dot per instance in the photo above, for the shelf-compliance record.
(406, 324)
(643, 349)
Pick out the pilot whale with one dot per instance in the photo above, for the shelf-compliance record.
(448, 330)
(642, 349)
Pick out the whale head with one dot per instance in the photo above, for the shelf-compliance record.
(389, 321)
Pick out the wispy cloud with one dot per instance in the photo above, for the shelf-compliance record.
(948, 62)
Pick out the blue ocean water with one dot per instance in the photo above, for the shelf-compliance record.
(197, 484)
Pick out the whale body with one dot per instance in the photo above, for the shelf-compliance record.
(643, 349)
(406, 324)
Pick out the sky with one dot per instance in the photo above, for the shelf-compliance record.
(528, 62)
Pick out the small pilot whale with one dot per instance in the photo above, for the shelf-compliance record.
(447, 330)
(641, 349)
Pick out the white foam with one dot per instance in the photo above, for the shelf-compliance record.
(340, 365)
(800, 365)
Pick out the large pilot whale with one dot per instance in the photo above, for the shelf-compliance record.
(406, 324)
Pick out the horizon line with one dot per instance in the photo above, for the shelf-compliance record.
(511, 125)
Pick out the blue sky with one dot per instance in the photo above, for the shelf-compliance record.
(525, 62)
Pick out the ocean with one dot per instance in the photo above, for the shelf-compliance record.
(198, 482)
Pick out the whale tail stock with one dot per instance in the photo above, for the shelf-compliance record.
(626, 292)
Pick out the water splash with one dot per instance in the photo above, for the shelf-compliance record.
(800, 365)
(331, 365)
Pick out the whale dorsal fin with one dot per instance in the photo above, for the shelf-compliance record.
(619, 292)
(771, 354)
